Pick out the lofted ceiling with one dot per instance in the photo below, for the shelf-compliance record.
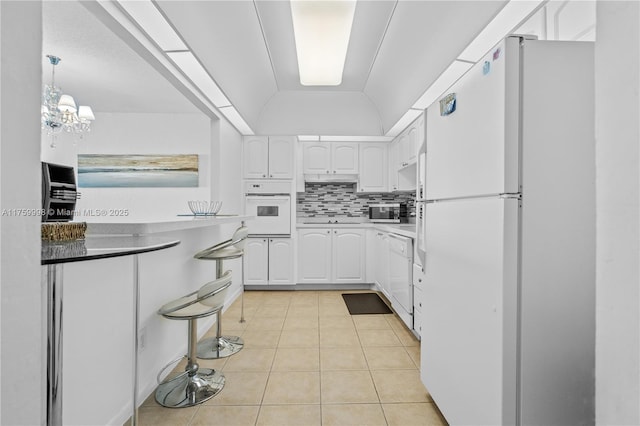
(397, 49)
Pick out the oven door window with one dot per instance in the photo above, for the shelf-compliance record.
(267, 211)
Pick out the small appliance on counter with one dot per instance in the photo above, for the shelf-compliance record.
(59, 192)
(389, 213)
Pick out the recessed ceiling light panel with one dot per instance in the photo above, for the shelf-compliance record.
(322, 29)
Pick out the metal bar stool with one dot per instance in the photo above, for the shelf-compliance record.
(222, 346)
(195, 385)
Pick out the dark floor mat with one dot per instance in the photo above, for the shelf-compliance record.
(365, 303)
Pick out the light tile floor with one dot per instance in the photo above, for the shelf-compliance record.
(306, 361)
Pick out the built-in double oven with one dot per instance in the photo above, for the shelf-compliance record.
(270, 204)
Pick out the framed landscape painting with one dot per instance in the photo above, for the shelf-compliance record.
(136, 171)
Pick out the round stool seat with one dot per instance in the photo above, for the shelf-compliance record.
(221, 254)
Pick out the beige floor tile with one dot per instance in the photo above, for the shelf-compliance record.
(339, 337)
(226, 415)
(414, 353)
(216, 364)
(407, 338)
(299, 339)
(395, 322)
(388, 357)
(300, 322)
(345, 358)
(333, 309)
(342, 387)
(371, 322)
(261, 338)
(304, 298)
(271, 311)
(277, 298)
(400, 386)
(241, 388)
(302, 310)
(331, 322)
(292, 387)
(378, 337)
(251, 360)
(352, 415)
(296, 359)
(285, 415)
(265, 323)
(161, 416)
(423, 414)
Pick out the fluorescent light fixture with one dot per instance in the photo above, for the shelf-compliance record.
(322, 30)
(192, 68)
(308, 138)
(456, 70)
(509, 18)
(153, 23)
(236, 120)
(404, 121)
(356, 138)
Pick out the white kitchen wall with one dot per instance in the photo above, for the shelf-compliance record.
(22, 319)
(115, 133)
(617, 84)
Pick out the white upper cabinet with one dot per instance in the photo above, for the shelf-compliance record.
(269, 157)
(373, 167)
(394, 149)
(321, 158)
(256, 155)
(316, 158)
(409, 141)
(344, 157)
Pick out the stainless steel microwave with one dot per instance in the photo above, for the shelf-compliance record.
(388, 213)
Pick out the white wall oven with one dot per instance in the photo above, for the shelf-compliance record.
(270, 204)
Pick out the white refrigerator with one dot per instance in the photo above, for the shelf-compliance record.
(508, 334)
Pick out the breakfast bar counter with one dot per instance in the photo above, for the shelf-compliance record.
(116, 225)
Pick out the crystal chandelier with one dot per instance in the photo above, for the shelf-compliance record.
(59, 111)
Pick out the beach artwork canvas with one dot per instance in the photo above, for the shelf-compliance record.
(135, 171)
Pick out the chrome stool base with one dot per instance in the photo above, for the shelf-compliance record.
(219, 347)
(186, 391)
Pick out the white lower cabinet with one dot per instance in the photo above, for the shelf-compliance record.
(331, 256)
(268, 261)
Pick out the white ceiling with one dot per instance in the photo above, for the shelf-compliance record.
(397, 49)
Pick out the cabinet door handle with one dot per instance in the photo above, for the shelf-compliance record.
(264, 175)
(334, 171)
(270, 175)
(327, 171)
(335, 232)
(328, 232)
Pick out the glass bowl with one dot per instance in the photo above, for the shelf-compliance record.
(205, 207)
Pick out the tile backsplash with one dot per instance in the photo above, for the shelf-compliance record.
(342, 200)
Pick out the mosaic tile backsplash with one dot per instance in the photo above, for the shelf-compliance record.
(342, 200)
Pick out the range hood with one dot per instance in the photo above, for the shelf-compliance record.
(331, 178)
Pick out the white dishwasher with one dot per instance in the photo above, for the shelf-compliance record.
(400, 276)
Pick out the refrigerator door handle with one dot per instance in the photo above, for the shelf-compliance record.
(511, 196)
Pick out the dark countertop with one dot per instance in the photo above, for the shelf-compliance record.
(100, 247)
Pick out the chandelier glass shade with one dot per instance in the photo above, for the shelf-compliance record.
(59, 112)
